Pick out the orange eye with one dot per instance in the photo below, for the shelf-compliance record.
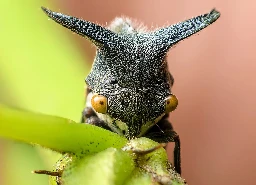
(171, 103)
(99, 103)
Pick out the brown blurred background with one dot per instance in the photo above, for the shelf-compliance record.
(214, 75)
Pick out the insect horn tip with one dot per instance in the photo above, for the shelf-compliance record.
(214, 11)
(99, 35)
(46, 10)
(215, 14)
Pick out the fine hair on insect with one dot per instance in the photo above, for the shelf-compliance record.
(129, 88)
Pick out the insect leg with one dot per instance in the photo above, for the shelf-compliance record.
(163, 132)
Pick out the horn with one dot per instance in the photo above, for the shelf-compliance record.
(171, 35)
(97, 34)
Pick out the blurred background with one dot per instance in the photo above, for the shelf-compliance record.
(43, 66)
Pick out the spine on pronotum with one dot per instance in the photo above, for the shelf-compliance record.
(129, 86)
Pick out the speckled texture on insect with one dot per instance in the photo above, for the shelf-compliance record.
(130, 78)
(130, 67)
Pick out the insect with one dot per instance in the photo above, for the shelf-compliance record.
(129, 86)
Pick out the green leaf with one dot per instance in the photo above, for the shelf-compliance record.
(109, 167)
(59, 134)
(139, 177)
(94, 155)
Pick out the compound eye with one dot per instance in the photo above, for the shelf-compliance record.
(99, 103)
(171, 103)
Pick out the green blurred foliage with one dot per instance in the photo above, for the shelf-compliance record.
(40, 70)
(56, 133)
